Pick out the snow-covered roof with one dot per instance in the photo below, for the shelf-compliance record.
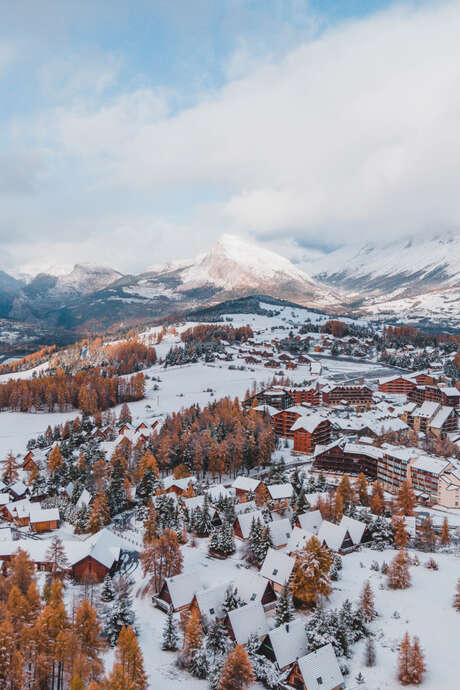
(355, 528)
(19, 509)
(278, 491)
(294, 409)
(6, 534)
(280, 531)
(308, 423)
(85, 499)
(219, 490)
(320, 669)
(182, 483)
(247, 620)
(441, 417)
(245, 521)
(18, 488)
(288, 642)
(248, 506)
(363, 449)
(39, 514)
(433, 465)
(269, 409)
(451, 391)
(4, 499)
(427, 409)
(277, 567)
(245, 483)
(251, 586)
(310, 521)
(182, 588)
(298, 540)
(332, 535)
(210, 601)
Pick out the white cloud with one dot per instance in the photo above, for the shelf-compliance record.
(352, 134)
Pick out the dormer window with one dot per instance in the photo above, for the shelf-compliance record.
(275, 572)
(211, 611)
(253, 596)
(319, 680)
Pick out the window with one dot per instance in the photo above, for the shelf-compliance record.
(319, 680)
(253, 596)
(275, 572)
(211, 611)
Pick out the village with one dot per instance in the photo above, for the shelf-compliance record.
(283, 503)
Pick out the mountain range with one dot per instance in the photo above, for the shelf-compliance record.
(414, 280)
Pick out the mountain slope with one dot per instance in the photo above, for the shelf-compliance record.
(400, 268)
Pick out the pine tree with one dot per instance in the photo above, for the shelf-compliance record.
(57, 557)
(336, 567)
(232, 600)
(108, 591)
(457, 597)
(398, 571)
(99, 516)
(116, 492)
(129, 656)
(311, 579)
(367, 602)
(217, 641)
(445, 535)
(254, 543)
(203, 522)
(382, 534)
(405, 499)
(284, 607)
(369, 653)
(427, 534)
(121, 612)
(237, 672)
(301, 502)
(170, 633)
(125, 415)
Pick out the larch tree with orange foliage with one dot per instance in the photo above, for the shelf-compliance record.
(310, 580)
(377, 502)
(367, 602)
(10, 469)
(444, 537)
(90, 643)
(99, 516)
(129, 663)
(237, 672)
(405, 499)
(411, 664)
(398, 571)
(55, 459)
(400, 533)
(162, 558)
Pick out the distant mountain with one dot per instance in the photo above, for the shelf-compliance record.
(404, 267)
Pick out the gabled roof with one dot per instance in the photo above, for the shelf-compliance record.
(39, 514)
(332, 535)
(182, 588)
(278, 491)
(245, 521)
(294, 409)
(247, 507)
(320, 669)
(85, 499)
(183, 483)
(210, 601)
(299, 539)
(441, 417)
(214, 492)
(247, 620)
(310, 521)
(277, 567)
(266, 408)
(18, 488)
(355, 528)
(427, 410)
(288, 642)
(308, 423)
(251, 586)
(280, 531)
(246, 483)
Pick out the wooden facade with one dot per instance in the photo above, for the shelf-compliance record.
(339, 461)
(354, 395)
(88, 569)
(399, 385)
(306, 441)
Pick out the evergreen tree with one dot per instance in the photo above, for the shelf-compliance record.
(237, 672)
(232, 600)
(108, 591)
(336, 567)
(120, 613)
(382, 534)
(369, 652)
(56, 556)
(301, 503)
(170, 633)
(116, 491)
(147, 486)
(217, 641)
(254, 543)
(284, 607)
(202, 522)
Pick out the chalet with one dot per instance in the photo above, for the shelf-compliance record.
(243, 522)
(298, 541)
(29, 463)
(310, 432)
(279, 494)
(243, 622)
(198, 502)
(18, 490)
(284, 419)
(254, 589)
(310, 521)
(141, 427)
(4, 500)
(280, 532)
(318, 670)
(358, 531)
(43, 519)
(277, 568)
(244, 485)
(432, 417)
(177, 486)
(84, 499)
(18, 511)
(245, 507)
(219, 491)
(265, 409)
(209, 603)
(447, 396)
(101, 557)
(178, 592)
(335, 537)
(286, 644)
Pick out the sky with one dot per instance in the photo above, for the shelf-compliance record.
(136, 133)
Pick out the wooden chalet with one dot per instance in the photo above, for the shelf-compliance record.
(43, 519)
(284, 420)
(336, 537)
(246, 621)
(353, 395)
(255, 589)
(29, 464)
(178, 592)
(342, 457)
(286, 644)
(318, 670)
(310, 521)
(277, 568)
(209, 603)
(447, 396)
(309, 395)
(244, 485)
(243, 522)
(358, 530)
(310, 432)
(280, 532)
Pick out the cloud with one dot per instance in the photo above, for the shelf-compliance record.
(352, 134)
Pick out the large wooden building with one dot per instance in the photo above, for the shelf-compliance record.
(309, 432)
(353, 395)
(341, 457)
(284, 420)
(397, 385)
